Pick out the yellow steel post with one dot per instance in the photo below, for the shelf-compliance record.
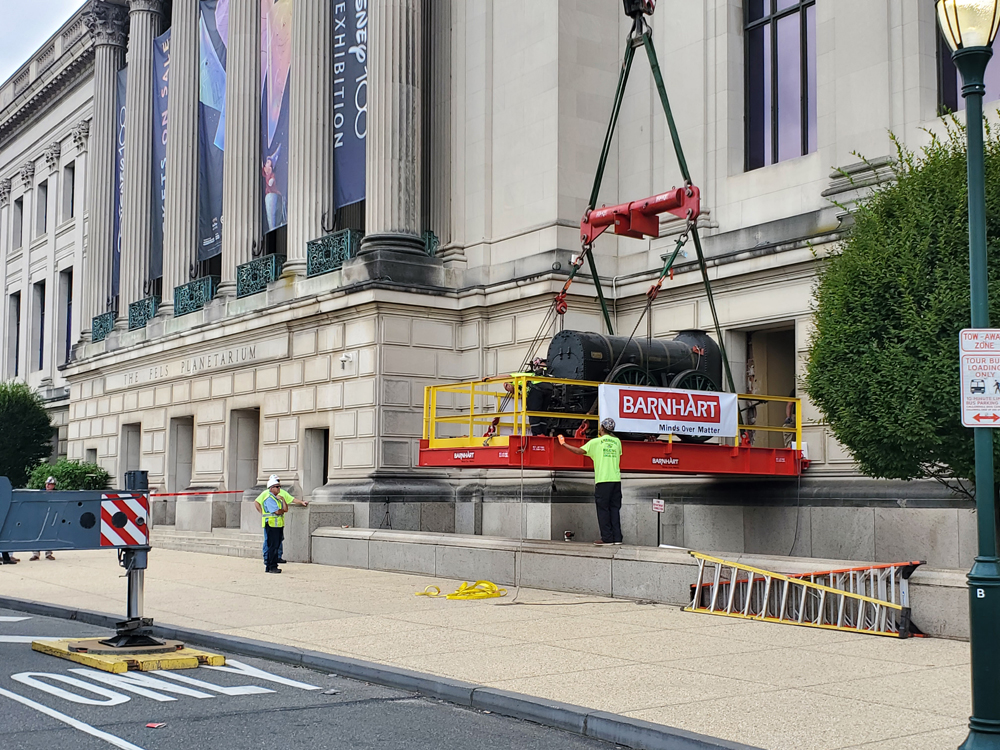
(472, 409)
(433, 426)
(427, 397)
(798, 425)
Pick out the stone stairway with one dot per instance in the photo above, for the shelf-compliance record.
(231, 542)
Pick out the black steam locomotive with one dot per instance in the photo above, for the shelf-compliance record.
(692, 361)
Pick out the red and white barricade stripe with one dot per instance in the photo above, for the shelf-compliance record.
(124, 520)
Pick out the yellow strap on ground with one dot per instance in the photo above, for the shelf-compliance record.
(478, 590)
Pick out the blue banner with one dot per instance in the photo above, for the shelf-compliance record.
(213, 27)
(350, 101)
(116, 237)
(161, 73)
(275, 75)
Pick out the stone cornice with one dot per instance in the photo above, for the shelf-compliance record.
(107, 23)
(41, 93)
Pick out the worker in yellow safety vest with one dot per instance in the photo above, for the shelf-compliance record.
(272, 504)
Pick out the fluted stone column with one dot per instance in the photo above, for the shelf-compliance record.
(310, 146)
(137, 220)
(241, 202)
(180, 223)
(393, 169)
(393, 249)
(107, 23)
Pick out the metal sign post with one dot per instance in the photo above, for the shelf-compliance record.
(658, 509)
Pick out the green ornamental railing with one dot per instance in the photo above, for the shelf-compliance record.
(141, 312)
(195, 295)
(101, 325)
(328, 253)
(431, 243)
(253, 277)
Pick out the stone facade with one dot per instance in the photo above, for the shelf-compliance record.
(486, 134)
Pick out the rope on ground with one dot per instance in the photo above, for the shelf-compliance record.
(465, 592)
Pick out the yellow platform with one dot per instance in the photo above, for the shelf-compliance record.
(184, 658)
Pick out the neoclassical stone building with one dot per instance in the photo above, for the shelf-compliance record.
(304, 350)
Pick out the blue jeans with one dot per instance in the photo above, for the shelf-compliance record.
(280, 548)
(275, 534)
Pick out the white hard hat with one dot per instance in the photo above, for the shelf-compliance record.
(50, 480)
(273, 480)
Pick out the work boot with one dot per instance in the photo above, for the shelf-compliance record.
(34, 557)
(49, 556)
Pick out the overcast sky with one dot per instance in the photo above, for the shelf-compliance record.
(25, 25)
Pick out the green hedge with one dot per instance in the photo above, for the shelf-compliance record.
(884, 359)
(70, 475)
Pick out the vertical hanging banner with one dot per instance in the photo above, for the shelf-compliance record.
(350, 100)
(213, 28)
(116, 237)
(275, 72)
(161, 74)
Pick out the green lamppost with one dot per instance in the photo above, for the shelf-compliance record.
(970, 26)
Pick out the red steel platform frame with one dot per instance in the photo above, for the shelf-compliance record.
(483, 406)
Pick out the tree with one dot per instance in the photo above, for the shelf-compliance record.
(890, 302)
(25, 432)
(70, 475)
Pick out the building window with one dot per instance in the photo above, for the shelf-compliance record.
(780, 108)
(42, 209)
(69, 191)
(38, 325)
(66, 314)
(14, 335)
(950, 80)
(18, 220)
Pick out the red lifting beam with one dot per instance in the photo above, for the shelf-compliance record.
(641, 218)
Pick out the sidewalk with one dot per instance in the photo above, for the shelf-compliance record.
(772, 686)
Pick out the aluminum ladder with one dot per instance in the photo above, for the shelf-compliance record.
(871, 599)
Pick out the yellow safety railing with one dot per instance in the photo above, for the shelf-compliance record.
(495, 408)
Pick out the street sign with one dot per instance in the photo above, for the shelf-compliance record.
(657, 505)
(980, 373)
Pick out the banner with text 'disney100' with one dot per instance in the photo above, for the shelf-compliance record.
(662, 411)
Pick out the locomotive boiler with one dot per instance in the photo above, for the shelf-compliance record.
(691, 361)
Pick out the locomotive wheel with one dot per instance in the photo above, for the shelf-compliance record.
(693, 380)
(630, 375)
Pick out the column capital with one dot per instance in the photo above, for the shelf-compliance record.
(146, 6)
(81, 133)
(52, 154)
(107, 23)
(27, 174)
(4, 191)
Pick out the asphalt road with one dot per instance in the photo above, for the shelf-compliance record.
(47, 703)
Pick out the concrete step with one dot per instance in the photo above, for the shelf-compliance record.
(229, 542)
(939, 599)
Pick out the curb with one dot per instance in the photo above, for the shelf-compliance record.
(600, 725)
